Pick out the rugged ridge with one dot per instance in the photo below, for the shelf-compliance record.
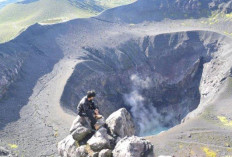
(157, 10)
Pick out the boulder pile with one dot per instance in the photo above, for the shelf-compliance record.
(114, 138)
(6, 153)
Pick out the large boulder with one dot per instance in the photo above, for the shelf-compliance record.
(120, 123)
(80, 121)
(67, 147)
(132, 147)
(101, 140)
(80, 133)
(80, 128)
(105, 153)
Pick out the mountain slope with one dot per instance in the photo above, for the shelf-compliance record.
(15, 18)
(158, 10)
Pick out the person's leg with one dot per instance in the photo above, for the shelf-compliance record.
(93, 122)
(92, 119)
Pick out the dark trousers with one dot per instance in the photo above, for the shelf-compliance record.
(92, 119)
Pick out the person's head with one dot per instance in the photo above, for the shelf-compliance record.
(91, 94)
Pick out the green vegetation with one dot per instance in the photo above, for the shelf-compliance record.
(15, 18)
(209, 152)
(217, 17)
(14, 146)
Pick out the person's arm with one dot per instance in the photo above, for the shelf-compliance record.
(80, 110)
(95, 106)
(96, 111)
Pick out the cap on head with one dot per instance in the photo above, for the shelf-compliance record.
(91, 94)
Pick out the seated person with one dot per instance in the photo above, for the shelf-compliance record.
(87, 108)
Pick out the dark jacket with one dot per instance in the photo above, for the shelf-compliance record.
(86, 107)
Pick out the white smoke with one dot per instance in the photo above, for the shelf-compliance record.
(146, 115)
(138, 82)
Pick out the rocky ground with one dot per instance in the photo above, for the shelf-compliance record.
(115, 137)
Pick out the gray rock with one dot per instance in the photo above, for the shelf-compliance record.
(6, 153)
(80, 133)
(95, 154)
(105, 153)
(133, 147)
(80, 128)
(100, 140)
(67, 147)
(121, 123)
(81, 151)
(118, 139)
(80, 121)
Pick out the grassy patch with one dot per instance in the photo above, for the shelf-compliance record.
(13, 146)
(224, 121)
(217, 17)
(208, 152)
(56, 133)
